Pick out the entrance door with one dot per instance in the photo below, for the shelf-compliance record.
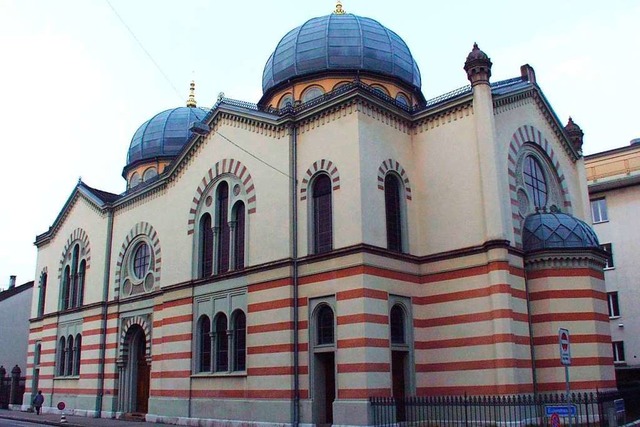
(325, 387)
(137, 375)
(398, 372)
(143, 380)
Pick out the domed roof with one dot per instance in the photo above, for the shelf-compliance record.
(164, 134)
(340, 42)
(549, 230)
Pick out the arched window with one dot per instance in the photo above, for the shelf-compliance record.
(70, 356)
(43, 293)
(286, 101)
(206, 246)
(401, 98)
(392, 194)
(222, 344)
(535, 181)
(239, 341)
(73, 296)
(66, 285)
(222, 206)
(141, 260)
(312, 93)
(396, 323)
(322, 215)
(81, 275)
(135, 180)
(36, 355)
(381, 89)
(76, 352)
(325, 333)
(204, 344)
(62, 352)
(238, 235)
(73, 278)
(149, 173)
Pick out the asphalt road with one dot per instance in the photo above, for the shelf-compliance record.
(16, 423)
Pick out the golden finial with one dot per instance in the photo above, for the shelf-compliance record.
(339, 10)
(191, 102)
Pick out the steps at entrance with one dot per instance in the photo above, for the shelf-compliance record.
(133, 416)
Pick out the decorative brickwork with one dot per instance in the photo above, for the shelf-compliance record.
(141, 229)
(78, 235)
(229, 167)
(532, 135)
(393, 165)
(144, 322)
(323, 165)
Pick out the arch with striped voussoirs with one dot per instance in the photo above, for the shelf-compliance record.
(141, 231)
(223, 167)
(144, 322)
(393, 165)
(323, 165)
(529, 140)
(80, 236)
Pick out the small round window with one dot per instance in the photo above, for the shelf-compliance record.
(141, 261)
(535, 182)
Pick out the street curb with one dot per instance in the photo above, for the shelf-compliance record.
(46, 422)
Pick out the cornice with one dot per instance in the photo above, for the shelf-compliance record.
(565, 259)
(512, 100)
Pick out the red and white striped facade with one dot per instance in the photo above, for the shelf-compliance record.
(482, 316)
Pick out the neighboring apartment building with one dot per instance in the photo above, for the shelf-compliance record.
(15, 307)
(343, 238)
(614, 190)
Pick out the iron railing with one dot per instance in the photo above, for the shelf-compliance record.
(587, 409)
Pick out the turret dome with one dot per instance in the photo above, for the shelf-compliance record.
(163, 135)
(555, 230)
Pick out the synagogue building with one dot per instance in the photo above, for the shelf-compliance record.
(283, 261)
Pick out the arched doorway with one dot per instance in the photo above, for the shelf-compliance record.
(136, 372)
(323, 364)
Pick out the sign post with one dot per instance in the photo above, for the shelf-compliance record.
(565, 359)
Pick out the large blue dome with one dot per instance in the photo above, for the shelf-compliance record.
(164, 134)
(340, 43)
(547, 230)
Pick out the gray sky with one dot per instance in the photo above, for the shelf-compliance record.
(75, 85)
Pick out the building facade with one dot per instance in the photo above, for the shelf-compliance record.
(343, 238)
(15, 309)
(614, 189)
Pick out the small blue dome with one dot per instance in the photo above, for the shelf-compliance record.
(164, 134)
(340, 43)
(549, 230)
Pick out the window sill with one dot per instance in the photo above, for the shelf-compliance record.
(609, 268)
(234, 374)
(599, 222)
(66, 377)
(620, 363)
(614, 317)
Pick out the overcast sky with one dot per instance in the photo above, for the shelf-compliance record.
(75, 84)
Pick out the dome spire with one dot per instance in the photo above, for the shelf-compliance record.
(339, 10)
(191, 102)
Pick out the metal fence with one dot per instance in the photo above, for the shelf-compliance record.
(584, 409)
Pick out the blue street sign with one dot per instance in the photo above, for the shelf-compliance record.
(619, 404)
(561, 410)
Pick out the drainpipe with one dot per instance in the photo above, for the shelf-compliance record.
(103, 327)
(294, 255)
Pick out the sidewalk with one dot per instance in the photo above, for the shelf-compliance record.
(72, 421)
